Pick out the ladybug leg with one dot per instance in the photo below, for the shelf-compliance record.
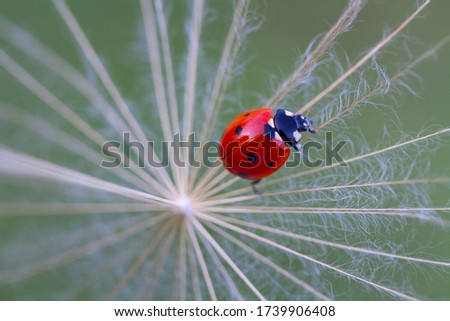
(252, 185)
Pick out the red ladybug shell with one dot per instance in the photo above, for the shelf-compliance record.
(246, 148)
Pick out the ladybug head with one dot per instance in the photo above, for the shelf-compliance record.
(304, 124)
(289, 126)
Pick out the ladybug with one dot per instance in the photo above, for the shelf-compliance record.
(256, 143)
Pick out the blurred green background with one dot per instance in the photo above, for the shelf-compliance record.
(287, 28)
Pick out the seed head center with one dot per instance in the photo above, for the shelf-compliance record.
(184, 206)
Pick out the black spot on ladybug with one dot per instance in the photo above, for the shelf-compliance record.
(247, 114)
(242, 175)
(252, 157)
(269, 131)
(271, 164)
(238, 130)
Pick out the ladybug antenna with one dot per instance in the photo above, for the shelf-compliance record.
(312, 131)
